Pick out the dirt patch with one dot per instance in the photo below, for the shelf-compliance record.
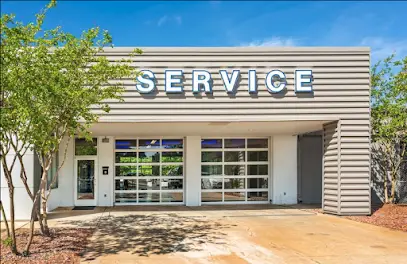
(64, 246)
(389, 215)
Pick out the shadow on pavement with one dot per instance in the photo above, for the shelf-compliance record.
(145, 235)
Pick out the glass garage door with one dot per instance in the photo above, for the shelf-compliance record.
(149, 171)
(234, 170)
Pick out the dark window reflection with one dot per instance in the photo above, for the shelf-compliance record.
(211, 143)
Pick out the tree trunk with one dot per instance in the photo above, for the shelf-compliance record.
(32, 221)
(385, 187)
(44, 212)
(5, 219)
(34, 212)
(12, 221)
(393, 187)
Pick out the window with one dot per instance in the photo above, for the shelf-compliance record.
(86, 148)
(149, 171)
(53, 171)
(234, 170)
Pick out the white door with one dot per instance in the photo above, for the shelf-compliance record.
(85, 181)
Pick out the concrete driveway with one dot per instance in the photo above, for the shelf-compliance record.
(234, 234)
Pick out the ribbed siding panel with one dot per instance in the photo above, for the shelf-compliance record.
(330, 186)
(341, 85)
(346, 164)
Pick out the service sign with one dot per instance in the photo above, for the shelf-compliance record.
(275, 81)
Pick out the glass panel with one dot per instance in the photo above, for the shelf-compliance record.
(235, 143)
(126, 170)
(257, 169)
(149, 184)
(149, 157)
(86, 180)
(149, 197)
(126, 157)
(84, 147)
(172, 143)
(172, 184)
(208, 170)
(211, 197)
(172, 170)
(171, 197)
(235, 196)
(234, 156)
(172, 156)
(148, 143)
(149, 170)
(126, 197)
(211, 184)
(235, 183)
(235, 170)
(126, 144)
(257, 183)
(257, 155)
(211, 143)
(257, 196)
(211, 156)
(126, 185)
(257, 143)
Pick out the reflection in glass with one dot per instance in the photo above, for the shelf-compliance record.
(234, 183)
(235, 196)
(235, 143)
(172, 143)
(172, 184)
(235, 170)
(125, 185)
(172, 197)
(149, 170)
(257, 155)
(149, 184)
(213, 156)
(126, 157)
(172, 170)
(86, 180)
(257, 143)
(257, 169)
(211, 184)
(257, 183)
(257, 196)
(126, 170)
(234, 156)
(84, 147)
(149, 157)
(211, 143)
(172, 157)
(208, 170)
(126, 144)
(148, 143)
(149, 197)
(211, 197)
(126, 197)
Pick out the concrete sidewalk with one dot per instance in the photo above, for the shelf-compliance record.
(230, 234)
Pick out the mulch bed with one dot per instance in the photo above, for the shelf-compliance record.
(389, 215)
(64, 246)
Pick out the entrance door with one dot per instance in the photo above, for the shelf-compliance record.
(85, 181)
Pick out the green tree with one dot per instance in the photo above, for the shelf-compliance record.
(50, 82)
(389, 122)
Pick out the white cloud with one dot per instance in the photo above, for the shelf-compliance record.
(272, 42)
(382, 48)
(162, 20)
(169, 19)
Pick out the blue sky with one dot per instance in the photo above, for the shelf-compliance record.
(380, 25)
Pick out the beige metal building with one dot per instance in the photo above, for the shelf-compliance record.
(249, 145)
